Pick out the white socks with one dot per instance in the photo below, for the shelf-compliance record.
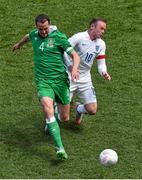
(81, 109)
(50, 120)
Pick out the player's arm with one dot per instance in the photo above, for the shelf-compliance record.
(23, 41)
(102, 68)
(66, 45)
(68, 60)
(75, 66)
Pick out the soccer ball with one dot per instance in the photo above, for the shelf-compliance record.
(108, 157)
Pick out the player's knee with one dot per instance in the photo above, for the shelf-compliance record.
(92, 111)
(64, 117)
(91, 108)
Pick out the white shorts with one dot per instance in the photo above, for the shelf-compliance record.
(85, 91)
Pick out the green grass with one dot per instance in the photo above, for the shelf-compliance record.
(25, 151)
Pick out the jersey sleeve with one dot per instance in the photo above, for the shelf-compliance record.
(101, 63)
(101, 54)
(64, 44)
(32, 34)
(74, 40)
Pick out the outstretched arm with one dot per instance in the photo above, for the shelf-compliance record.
(24, 40)
(102, 69)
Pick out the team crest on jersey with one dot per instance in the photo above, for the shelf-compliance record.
(97, 48)
(50, 42)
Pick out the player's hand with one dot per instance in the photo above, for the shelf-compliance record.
(16, 46)
(74, 73)
(107, 76)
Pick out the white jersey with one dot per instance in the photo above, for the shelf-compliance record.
(88, 50)
(52, 28)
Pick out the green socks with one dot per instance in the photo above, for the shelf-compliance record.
(54, 131)
(56, 113)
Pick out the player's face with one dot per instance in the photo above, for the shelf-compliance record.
(43, 28)
(98, 29)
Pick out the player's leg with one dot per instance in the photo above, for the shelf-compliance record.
(64, 112)
(46, 99)
(63, 98)
(89, 106)
(53, 127)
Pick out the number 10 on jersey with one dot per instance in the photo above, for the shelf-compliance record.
(88, 57)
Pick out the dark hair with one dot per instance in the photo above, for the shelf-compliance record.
(95, 20)
(42, 18)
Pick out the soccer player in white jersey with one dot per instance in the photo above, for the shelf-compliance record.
(89, 46)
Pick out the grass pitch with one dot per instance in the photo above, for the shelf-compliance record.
(25, 151)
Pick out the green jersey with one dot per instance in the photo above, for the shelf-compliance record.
(48, 54)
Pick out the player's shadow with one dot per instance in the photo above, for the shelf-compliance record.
(31, 141)
(71, 126)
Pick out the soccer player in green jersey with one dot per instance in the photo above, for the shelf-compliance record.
(51, 78)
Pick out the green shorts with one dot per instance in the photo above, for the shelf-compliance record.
(58, 90)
